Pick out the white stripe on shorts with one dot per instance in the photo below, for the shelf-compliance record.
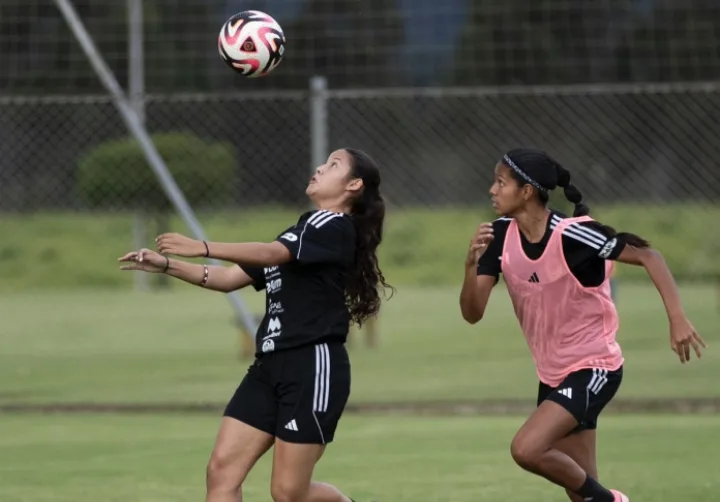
(598, 381)
(322, 378)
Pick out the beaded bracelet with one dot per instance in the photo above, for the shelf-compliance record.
(206, 276)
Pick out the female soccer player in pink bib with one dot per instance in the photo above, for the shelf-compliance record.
(557, 271)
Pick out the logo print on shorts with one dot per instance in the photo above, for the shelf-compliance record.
(566, 392)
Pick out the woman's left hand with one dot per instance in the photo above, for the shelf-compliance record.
(179, 245)
(682, 337)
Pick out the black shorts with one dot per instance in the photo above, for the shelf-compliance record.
(584, 394)
(296, 395)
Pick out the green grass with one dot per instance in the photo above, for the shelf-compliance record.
(180, 346)
(423, 247)
(392, 459)
(73, 332)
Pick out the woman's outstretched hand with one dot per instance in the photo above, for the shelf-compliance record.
(179, 245)
(145, 260)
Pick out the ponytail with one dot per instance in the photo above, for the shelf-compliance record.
(571, 191)
(538, 169)
(365, 279)
(573, 195)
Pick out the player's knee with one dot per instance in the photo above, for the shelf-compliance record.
(220, 475)
(283, 491)
(524, 454)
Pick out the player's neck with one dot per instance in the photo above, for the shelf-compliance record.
(533, 224)
(332, 206)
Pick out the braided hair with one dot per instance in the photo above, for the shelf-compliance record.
(536, 168)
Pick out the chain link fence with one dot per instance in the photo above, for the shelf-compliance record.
(372, 43)
(631, 144)
(643, 150)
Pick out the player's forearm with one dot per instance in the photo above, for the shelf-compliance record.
(661, 276)
(192, 273)
(471, 303)
(255, 254)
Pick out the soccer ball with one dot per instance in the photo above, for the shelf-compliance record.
(252, 43)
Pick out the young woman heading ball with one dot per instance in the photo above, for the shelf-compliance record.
(319, 275)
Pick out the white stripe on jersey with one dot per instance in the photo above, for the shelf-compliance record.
(321, 217)
(316, 220)
(580, 233)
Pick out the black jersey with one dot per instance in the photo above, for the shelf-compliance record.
(305, 298)
(586, 246)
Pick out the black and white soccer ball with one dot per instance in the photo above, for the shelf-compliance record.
(252, 43)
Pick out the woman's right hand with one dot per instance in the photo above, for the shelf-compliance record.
(479, 243)
(145, 260)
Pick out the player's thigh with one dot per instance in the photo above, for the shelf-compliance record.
(313, 393)
(247, 429)
(548, 424)
(293, 466)
(238, 447)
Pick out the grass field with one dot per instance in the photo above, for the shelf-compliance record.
(422, 247)
(72, 332)
(180, 346)
(78, 458)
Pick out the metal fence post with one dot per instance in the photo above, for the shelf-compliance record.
(136, 94)
(318, 122)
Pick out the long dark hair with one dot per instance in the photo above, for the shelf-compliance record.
(536, 168)
(365, 280)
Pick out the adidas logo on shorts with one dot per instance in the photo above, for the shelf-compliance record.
(566, 392)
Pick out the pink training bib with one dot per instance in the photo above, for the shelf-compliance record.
(567, 326)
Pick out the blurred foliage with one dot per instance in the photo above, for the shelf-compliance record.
(116, 175)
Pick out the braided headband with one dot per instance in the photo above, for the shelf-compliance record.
(507, 160)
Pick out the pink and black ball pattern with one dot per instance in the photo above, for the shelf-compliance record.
(252, 43)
